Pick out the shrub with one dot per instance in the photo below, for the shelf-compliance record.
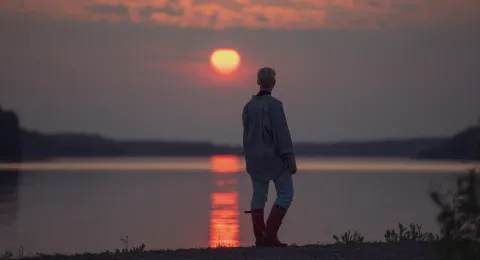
(349, 238)
(459, 219)
(412, 233)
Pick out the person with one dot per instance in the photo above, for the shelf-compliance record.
(269, 156)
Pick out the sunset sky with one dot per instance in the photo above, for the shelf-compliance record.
(347, 69)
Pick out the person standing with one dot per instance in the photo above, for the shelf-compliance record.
(269, 156)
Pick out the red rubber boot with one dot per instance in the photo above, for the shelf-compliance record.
(258, 222)
(274, 221)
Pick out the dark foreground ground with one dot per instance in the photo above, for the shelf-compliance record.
(367, 251)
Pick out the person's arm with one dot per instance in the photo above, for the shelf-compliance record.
(280, 130)
(245, 126)
(282, 137)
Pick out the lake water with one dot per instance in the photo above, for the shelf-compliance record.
(89, 205)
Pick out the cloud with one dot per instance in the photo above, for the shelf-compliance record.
(148, 11)
(280, 14)
(262, 18)
(405, 6)
(119, 10)
(231, 5)
(374, 3)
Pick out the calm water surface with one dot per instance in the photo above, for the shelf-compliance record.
(76, 206)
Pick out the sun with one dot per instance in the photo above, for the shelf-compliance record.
(225, 61)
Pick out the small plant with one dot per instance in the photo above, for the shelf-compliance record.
(412, 233)
(21, 252)
(223, 245)
(459, 219)
(125, 244)
(127, 249)
(7, 255)
(349, 237)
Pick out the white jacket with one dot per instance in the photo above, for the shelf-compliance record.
(266, 137)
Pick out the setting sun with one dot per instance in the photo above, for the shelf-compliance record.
(225, 61)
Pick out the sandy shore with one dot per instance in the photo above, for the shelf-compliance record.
(367, 251)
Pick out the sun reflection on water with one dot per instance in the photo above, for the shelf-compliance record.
(225, 163)
(224, 218)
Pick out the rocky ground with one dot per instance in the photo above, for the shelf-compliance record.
(365, 251)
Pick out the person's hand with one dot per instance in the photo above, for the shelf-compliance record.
(291, 163)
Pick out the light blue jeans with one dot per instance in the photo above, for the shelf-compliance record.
(283, 186)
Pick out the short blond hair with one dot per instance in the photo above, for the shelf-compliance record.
(266, 76)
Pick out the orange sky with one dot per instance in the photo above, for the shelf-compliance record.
(91, 76)
(289, 14)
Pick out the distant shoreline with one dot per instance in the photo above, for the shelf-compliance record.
(240, 156)
(29, 145)
(463, 146)
(38, 146)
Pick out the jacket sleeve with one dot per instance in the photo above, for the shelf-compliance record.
(280, 130)
(245, 126)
